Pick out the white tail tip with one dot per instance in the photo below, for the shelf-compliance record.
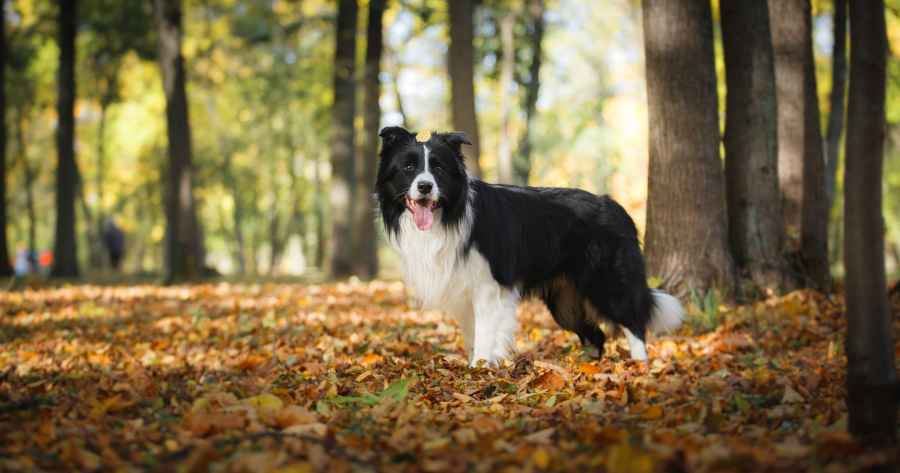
(667, 314)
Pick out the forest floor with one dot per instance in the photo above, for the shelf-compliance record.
(348, 377)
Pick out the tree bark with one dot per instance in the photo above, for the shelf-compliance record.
(184, 246)
(801, 161)
(366, 239)
(507, 64)
(686, 242)
(755, 222)
(343, 167)
(65, 254)
(871, 373)
(319, 204)
(29, 175)
(836, 98)
(5, 266)
(535, 12)
(461, 68)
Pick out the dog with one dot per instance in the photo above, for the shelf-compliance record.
(474, 250)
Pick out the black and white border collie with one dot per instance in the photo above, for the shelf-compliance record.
(474, 249)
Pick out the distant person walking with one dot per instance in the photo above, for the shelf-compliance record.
(114, 242)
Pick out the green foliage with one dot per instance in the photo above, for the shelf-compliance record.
(703, 310)
(397, 391)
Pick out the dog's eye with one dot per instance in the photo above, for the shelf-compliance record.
(436, 167)
(410, 167)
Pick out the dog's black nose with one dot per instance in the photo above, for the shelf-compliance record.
(425, 187)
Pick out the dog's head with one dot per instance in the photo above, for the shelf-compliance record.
(427, 179)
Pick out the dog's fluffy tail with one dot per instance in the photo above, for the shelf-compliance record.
(667, 313)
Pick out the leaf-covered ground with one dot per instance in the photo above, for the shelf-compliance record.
(349, 377)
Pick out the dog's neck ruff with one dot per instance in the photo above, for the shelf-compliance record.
(433, 261)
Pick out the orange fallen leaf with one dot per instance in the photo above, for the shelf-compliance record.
(550, 380)
(371, 359)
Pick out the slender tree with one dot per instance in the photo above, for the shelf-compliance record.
(5, 266)
(751, 147)
(184, 242)
(366, 241)
(65, 255)
(461, 68)
(342, 141)
(686, 242)
(507, 65)
(871, 374)
(836, 98)
(535, 14)
(801, 161)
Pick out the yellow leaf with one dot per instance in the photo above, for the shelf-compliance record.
(625, 459)
(541, 458)
(588, 368)
(652, 413)
(265, 402)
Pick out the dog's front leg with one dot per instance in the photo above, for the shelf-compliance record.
(495, 323)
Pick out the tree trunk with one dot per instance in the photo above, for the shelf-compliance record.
(395, 86)
(5, 266)
(97, 258)
(522, 164)
(755, 222)
(319, 204)
(871, 374)
(801, 161)
(507, 64)
(65, 255)
(29, 174)
(343, 169)
(366, 239)
(237, 212)
(686, 242)
(836, 98)
(461, 67)
(184, 252)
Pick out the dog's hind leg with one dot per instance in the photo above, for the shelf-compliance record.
(569, 311)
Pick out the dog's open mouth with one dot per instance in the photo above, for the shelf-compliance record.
(423, 211)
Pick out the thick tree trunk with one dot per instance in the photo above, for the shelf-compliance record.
(871, 373)
(65, 254)
(184, 246)
(801, 161)
(343, 169)
(755, 222)
(836, 98)
(507, 64)
(366, 264)
(522, 164)
(461, 67)
(5, 266)
(686, 242)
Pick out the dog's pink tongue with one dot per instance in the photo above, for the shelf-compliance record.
(423, 216)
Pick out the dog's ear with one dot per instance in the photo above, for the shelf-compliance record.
(394, 135)
(453, 139)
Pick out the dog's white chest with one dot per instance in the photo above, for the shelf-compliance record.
(433, 265)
